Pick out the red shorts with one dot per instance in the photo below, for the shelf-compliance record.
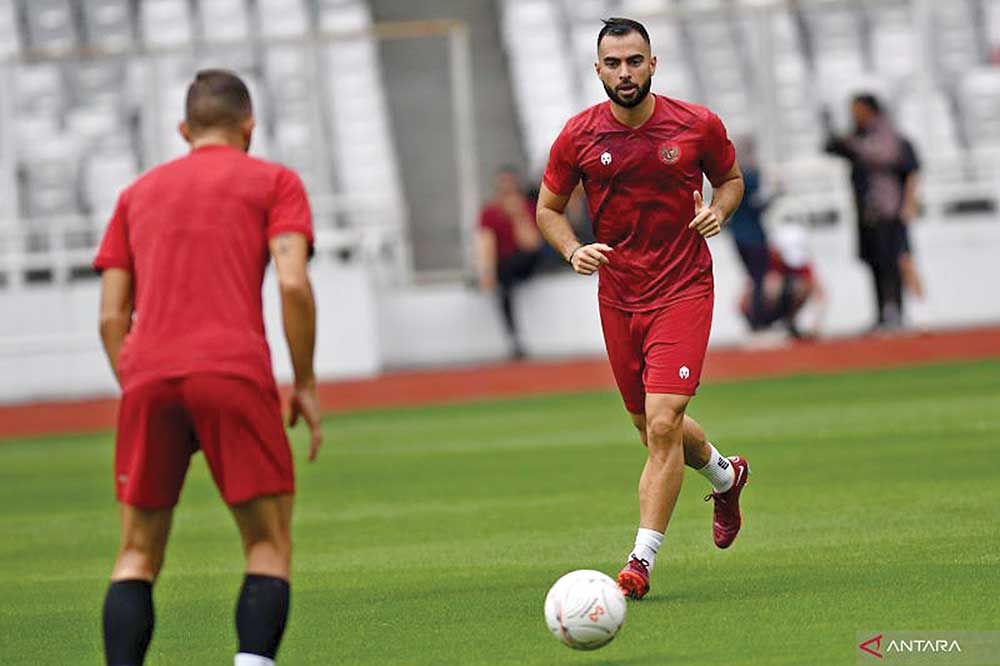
(234, 421)
(660, 351)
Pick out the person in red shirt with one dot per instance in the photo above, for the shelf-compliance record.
(788, 284)
(182, 264)
(641, 159)
(508, 246)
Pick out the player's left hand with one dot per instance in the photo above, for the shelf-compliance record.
(707, 220)
(304, 403)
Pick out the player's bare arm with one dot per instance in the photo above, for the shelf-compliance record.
(726, 197)
(116, 312)
(486, 259)
(557, 230)
(290, 252)
(911, 202)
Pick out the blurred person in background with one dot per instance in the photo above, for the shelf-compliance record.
(878, 157)
(509, 247)
(789, 284)
(747, 229)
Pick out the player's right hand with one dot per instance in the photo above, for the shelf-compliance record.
(304, 403)
(586, 259)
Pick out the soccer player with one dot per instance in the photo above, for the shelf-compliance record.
(641, 158)
(182, 264)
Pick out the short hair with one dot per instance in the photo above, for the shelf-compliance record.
(217, 98)
(869, 100)
(619, 27)
(508, 169)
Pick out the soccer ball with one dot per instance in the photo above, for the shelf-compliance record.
(585, 609)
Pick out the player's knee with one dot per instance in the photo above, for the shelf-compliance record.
(269, 549)
(139, 559)
(665, 428)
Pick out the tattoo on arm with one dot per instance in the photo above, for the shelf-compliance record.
(284, 244)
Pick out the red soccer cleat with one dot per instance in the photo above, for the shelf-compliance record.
(634, 579)
(728, 519)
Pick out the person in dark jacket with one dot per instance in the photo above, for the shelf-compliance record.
(877, 155)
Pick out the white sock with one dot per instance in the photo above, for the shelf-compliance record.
(719, 471)
(647, 543)
(245, 659)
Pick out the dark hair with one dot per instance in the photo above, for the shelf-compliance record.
(508, 168)
(868, 100)
(619, 27)
(217, 98)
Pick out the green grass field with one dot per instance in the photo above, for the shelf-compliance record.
(431, 535)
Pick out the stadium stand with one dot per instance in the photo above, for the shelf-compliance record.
(92, 91)
(720, 64)
(98, 88)
(224, 21)
(789, 62)
(364, 153)
(538, 51)
(107, 25)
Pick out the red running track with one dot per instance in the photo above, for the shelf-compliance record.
(535, 377)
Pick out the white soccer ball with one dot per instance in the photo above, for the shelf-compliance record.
(585, 609)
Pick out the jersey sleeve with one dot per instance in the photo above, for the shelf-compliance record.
(563, 170)
(486, 220)
(718, 153)
(289, 212)
(114, 251)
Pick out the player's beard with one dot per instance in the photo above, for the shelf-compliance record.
(640, 94)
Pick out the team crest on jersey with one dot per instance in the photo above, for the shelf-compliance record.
(605, 158)
(670, 153)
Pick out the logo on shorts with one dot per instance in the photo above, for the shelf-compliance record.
(684, 372)
(122, 478)
(605, 158)
(670, 153)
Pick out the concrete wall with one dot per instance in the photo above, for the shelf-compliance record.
(49, 345)
(454, 324)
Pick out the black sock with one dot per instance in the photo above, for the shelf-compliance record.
(128, 621)
(261, 613)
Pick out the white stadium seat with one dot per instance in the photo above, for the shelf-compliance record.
(892, 31)
(538, 51)
(108, 24)
(344, 15)
(50, 25)
(955, 39)
(991, 9)
(224, 20)
(980, 92)
(165, 23)
(10, 36)
(282, 18)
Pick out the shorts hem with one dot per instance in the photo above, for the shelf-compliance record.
(287, 489)
(675, 390)
(137, 503)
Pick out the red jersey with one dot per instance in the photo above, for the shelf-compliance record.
(640, 185)
(194, 234)
(494, 218)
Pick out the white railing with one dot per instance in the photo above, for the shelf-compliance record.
(383, 236)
